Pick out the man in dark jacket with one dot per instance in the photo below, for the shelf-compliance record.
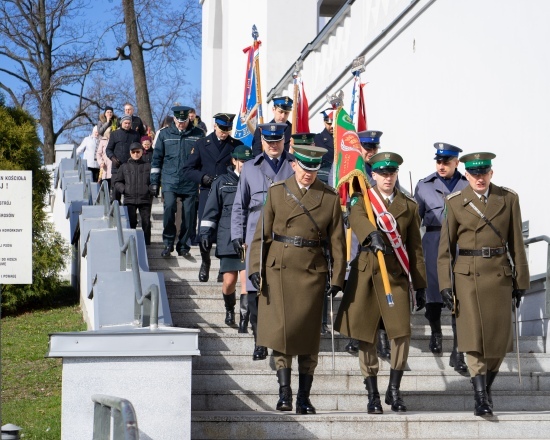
(172, 150)
(133, 180)
(208, 160)
(282, 107)
(326, 140)
(118, 148)
(137, 123)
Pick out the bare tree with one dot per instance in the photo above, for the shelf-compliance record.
(46, 53)
(168, 34)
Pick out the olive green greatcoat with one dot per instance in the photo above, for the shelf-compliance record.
(364, 300)
(294, 278)
(483, 285)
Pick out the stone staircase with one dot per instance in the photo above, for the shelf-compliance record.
(234, 397)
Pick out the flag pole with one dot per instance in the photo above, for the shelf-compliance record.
(255, 35)
(357, 68)
(295, 76)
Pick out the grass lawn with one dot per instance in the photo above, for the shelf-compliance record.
(31, 383)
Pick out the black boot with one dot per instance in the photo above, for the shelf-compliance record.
(393, 395)
(457, 358)
(230, 301)
(490, 379)
(260, 352)
(167, 251)
(285, 392)
(436, 340)
(204, 271)
(481, 408)
(352, 347)
(243, 323)
(383, 346)
(374, 406)
(303, 404)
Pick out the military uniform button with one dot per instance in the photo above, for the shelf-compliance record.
(288, 226)
(477, 274)
(283, 267)
(498, 275)
(286, 245)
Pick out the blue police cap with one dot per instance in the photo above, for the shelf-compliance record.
(224, 121)
(370, 138)
(181, 112)
(446, 150)
(272, 132)
(283, 102)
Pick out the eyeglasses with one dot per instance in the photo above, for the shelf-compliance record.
(136, 152)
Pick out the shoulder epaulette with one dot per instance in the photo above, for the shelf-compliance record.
(280, 182)
(450, 196)
(411, 198)
(331, 189)
(509, 190)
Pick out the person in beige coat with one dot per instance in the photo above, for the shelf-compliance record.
(294, 269)
(364, 302)
(103, 161)
(484, 285)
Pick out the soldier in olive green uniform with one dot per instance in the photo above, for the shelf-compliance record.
(364, 302)
(484, 285)
(294, 270)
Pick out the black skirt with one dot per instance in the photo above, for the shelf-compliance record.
(231, 263)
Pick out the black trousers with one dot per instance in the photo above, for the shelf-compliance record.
(145, 216)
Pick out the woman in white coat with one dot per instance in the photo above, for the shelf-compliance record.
(88, 149)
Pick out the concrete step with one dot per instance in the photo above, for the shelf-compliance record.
(359, 425)
(257, 381)
(356, 400)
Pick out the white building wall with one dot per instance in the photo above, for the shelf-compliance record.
(284, 26)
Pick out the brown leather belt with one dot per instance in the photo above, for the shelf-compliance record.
(298, 241)
(485, 252)
(388, 250)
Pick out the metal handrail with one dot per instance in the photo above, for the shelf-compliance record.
(148, 301)
(125, 425)
(103, 198)
(537, 239)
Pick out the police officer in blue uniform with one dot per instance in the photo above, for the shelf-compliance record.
(325, 139)
(282, 106)
(217, 217)
(430, 194)
(208, 160)
(172, 150)
(257, 175)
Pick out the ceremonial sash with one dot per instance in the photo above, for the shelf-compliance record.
(387, 224)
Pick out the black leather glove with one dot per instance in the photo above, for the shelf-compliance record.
(255, 280)
(517, 294)
(115, 161)
(205, 242)
(375, 241)
(420, 299)
(207, 180)
(345, 217)
(447, 297)
(154, 190)
(238, 245)
(333, 291)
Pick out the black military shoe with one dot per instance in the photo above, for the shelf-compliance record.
(436, 343)
(457, 362)
(352, 347)
(260, 353)
(481, 407)
(183, 252)
(245, 314)
(167, 251)
(393, 395)
(374, 405)
(285, 392)
(204, 271)
(303, 404)
(383, 346)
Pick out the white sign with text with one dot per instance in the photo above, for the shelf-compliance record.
(15, 227)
